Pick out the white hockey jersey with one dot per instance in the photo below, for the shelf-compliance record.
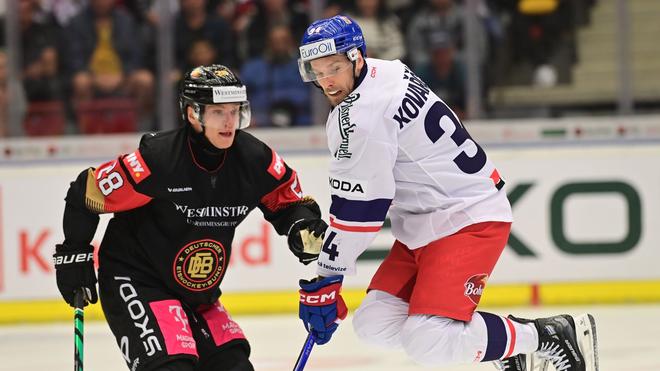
(397, 147)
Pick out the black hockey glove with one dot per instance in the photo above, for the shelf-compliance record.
(305, 238)
(74, 268)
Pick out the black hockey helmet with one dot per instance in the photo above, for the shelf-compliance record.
(214, 84)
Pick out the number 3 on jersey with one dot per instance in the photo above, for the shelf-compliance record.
(432, 125)
(109, 180)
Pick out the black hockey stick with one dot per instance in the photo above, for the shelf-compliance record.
(78, 329)
(304, 353)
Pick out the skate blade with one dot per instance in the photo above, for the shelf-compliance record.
(585, 328)
(538, 364)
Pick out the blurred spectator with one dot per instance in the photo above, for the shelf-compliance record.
(538, 29)
(105, 56)
(445, 74)
(40, 60)
(336, 7)
(381, 29)
(195, 23)
(4, 114)
(440, 16)
(277, 94)
(63, 10)
(201, 53)
(270, 13)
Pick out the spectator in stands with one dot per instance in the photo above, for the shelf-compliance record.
(440, 16)
(4, 114)
(40, 62)
(538, 29)
(271, 13)
(445, 74)
(194, 23)
(336, 7)
(105, 56)
(63, 10)
(201, 53)
(277, 94)
(381, 29)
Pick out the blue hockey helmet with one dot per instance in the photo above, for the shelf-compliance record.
(336, 35)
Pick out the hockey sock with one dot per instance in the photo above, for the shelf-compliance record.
(506, 337)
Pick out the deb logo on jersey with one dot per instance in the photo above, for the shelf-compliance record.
(200, 265)
(474, 287)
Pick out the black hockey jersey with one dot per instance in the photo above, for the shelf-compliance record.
(174, 219)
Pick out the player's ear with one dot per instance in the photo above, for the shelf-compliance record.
(193, 117)
(359, 63)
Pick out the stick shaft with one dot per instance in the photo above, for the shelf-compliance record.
(304, 353)
(78, 330)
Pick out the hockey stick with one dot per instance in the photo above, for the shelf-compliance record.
(304, 353)
(78, 329)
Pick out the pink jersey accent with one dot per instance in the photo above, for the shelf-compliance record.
(173, 323)
(223, 328)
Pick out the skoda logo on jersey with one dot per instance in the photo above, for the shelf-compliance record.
(200, 265)
(350, 188)
(318, 49)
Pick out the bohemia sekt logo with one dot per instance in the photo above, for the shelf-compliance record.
(200, 265)
(474, 286)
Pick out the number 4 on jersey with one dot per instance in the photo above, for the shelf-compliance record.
(331, 248)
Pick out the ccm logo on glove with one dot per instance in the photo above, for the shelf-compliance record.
(326, 295)
(69, 259)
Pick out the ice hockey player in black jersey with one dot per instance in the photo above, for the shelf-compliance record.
(177, 201)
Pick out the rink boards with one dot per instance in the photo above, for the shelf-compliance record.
(585, 231)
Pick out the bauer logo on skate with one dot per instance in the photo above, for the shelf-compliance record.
(474, 287)
(200, 265)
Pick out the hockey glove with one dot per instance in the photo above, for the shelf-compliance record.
(321, 307)
(74, 269)
(305, 238)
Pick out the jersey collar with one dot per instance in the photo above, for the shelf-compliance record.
(363, 74)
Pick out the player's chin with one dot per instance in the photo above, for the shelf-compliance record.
(224, 139)
(335, 99)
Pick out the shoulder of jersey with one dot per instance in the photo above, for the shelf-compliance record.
(159, 149)
(386, 77)
(385, 72)
(249, 144)
(259, 155)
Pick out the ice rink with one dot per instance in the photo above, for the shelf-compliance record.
(629, 339)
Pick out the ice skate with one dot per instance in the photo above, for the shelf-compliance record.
(514, 363)
(568, 343)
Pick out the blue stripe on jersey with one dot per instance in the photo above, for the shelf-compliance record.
(359, 211)
(497, 337)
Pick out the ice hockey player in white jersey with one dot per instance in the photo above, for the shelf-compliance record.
(397, 148)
